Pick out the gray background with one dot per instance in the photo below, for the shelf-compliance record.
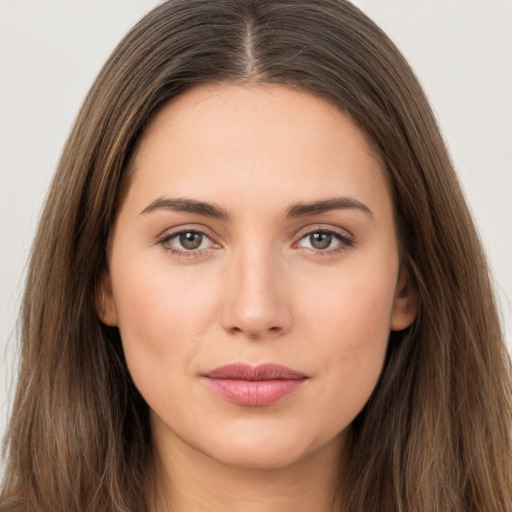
(51, 50)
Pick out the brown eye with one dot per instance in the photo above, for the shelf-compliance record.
(191, 240)
(320, 240)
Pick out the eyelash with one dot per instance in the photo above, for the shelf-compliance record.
(345, 242)
(185, 253)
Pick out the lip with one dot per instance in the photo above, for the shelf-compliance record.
(254, 386)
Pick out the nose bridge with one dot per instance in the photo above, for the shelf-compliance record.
(255, 300)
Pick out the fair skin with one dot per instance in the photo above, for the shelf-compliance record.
(291, 258)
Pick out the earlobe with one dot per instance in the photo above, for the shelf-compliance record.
(405, 302)
(105, 304)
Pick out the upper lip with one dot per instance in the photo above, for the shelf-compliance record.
(242, 371)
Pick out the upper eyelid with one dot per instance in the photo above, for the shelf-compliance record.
(172, 232)
(342, 232)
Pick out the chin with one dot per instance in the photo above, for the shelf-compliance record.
(258, 458)
(276, 450)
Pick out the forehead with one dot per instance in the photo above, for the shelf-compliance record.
(211, 108)
(213, 139)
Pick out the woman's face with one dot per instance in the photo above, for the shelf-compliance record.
(254, 274)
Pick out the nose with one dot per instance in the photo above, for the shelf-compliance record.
(256, 302)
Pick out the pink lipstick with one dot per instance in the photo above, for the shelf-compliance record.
(254, 386)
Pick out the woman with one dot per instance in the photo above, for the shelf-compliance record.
(256, 284)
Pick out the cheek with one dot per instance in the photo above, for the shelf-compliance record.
(162, 316)
(353, 304)
(350, 323)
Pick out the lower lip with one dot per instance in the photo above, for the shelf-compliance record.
(254, 393)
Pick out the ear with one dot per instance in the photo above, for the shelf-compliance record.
(105, 304)
(405, 302)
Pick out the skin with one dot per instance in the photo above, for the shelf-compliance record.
(257, 290)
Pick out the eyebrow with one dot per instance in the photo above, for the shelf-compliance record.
(212, 210)
(337, 203)
(188, 206)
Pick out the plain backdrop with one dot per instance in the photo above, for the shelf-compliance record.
(51, 50)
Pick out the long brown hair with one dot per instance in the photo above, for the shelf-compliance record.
(436, 433)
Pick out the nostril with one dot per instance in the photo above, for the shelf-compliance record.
(255, 334)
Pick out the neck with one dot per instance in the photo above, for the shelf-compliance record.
(190, 481)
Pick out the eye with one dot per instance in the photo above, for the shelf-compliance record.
(190, 240)
(324, 240)
(320, 240)
(187, 241)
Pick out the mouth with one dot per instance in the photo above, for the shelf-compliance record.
(254, 386)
